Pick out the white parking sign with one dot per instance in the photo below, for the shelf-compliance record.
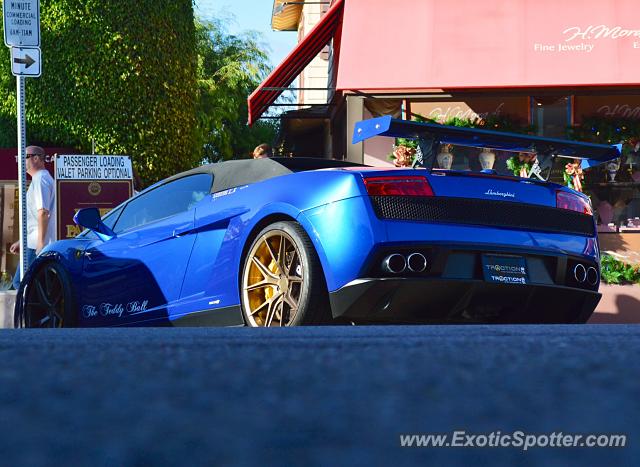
(25, 61)
(21, 23)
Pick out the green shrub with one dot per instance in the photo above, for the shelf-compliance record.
(119, 74)
(613, 271)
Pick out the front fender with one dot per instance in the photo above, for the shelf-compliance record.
(71, 260)
(18, 310)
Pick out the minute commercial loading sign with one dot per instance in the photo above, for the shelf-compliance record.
(22, 26)
(22, 33)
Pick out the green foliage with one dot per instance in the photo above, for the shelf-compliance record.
(410, 143)
(505, 123)
(515, 165)
(120, 74)
(8, 133)
(606, 130)
(229, 68)
(491, 122)
(613, 271)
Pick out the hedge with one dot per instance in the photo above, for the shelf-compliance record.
(614, 271)
(121, 74)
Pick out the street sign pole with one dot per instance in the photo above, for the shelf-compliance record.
(22, 183)
(21, 21)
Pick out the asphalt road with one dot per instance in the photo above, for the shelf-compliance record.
(313, 396)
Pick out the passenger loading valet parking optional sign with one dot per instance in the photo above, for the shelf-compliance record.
(85, 181)
(93, 167)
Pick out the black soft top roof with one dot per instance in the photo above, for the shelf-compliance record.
(230, 174)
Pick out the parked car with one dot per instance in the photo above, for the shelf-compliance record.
(288, 241)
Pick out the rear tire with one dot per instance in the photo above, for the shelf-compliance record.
(282, 282)
(48, 301)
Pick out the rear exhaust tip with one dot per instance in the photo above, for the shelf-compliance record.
(416, 262)
(395, 263)
(592, 276)
(580, 273)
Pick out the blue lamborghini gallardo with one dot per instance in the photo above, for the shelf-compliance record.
(288, 241)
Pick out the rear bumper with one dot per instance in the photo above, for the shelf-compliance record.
(450, 300)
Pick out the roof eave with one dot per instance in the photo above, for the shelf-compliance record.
(285, 16)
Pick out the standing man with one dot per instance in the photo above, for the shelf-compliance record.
(41, 209)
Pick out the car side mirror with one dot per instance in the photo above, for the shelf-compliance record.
(89, 218)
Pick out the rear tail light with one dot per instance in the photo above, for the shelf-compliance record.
(398, 186)
(573, 202)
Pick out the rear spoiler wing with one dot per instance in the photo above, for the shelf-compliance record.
(430, 135)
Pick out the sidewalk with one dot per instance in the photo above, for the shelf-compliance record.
(620, 304)
(7, 300)
(622, 246)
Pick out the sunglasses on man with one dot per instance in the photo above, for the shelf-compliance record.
(27, 156)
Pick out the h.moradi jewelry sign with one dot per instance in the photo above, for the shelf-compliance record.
(93, 167)
(517, 44)
(586, 39)
(85, 181)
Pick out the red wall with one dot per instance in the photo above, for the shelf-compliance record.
(9, 161)
(417, 44)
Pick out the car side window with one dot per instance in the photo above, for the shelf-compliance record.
(111, 217)
(164, 201)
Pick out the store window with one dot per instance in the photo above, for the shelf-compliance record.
(10, 231)
(614, 188)
(551, 115)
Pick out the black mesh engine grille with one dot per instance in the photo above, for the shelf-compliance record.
(483, 212)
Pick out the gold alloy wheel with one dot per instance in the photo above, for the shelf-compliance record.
(272, 280)
(45, 299)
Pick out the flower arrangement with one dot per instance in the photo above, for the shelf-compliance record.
(521, 164)
(404, 152)
(573, 175)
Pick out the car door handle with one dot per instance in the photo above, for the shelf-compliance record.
(182, 230)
